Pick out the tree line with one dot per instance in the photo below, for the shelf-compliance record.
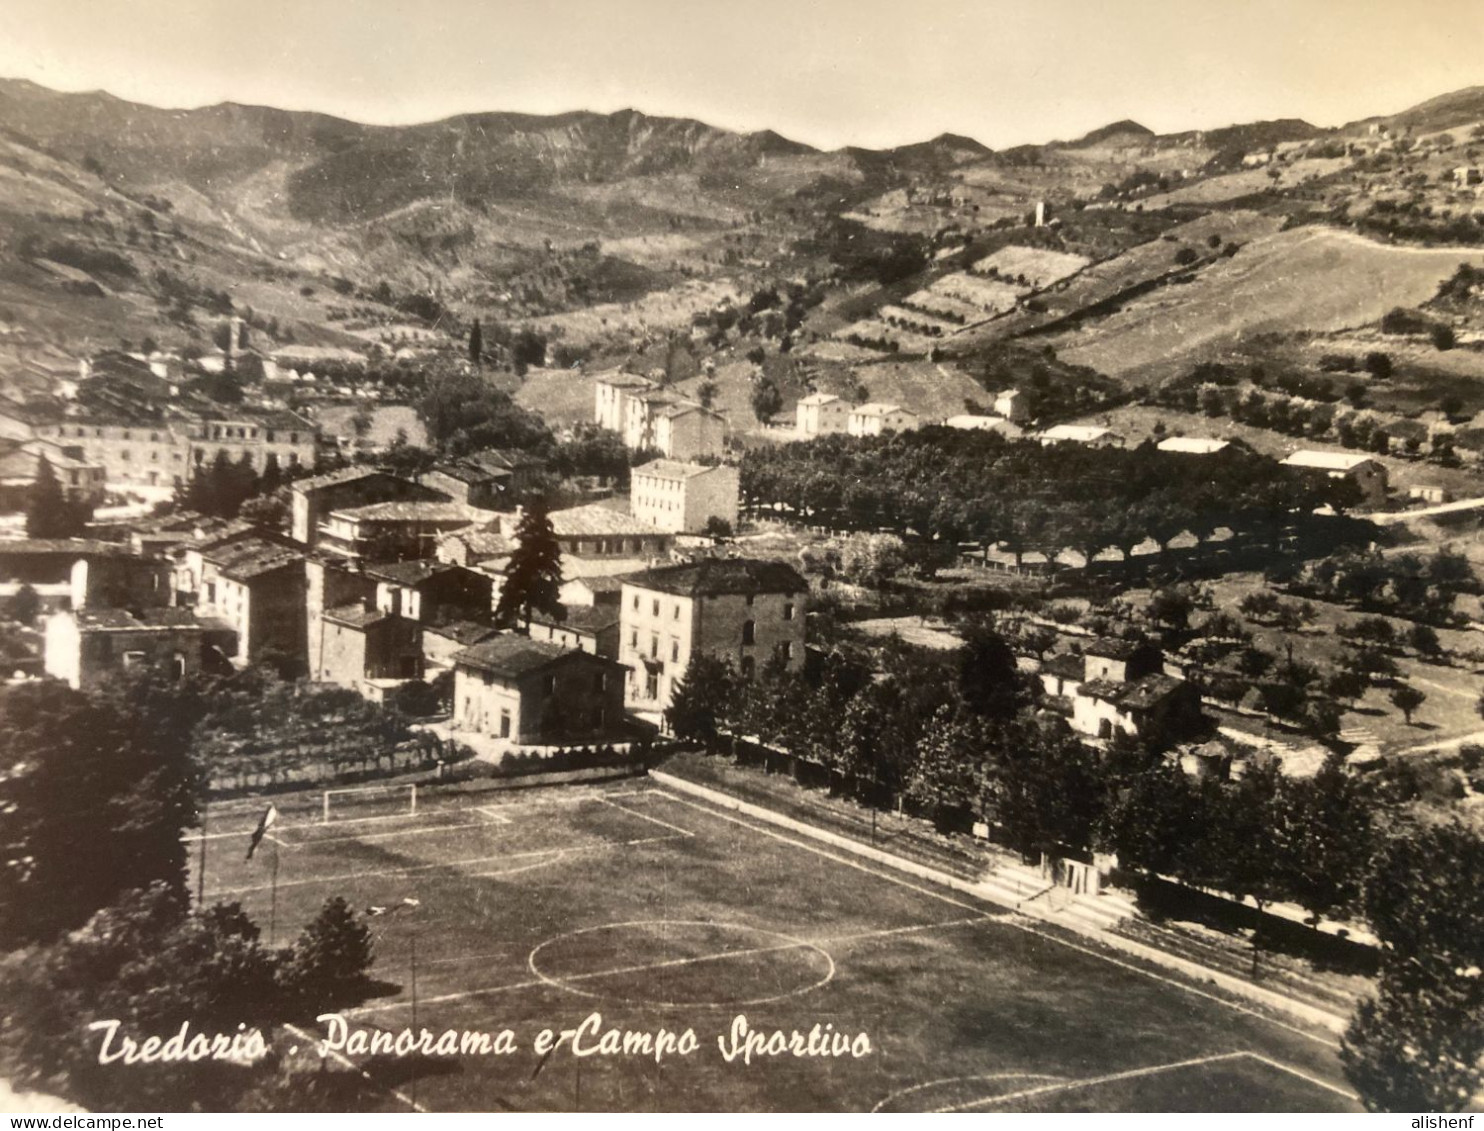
(950, 485)
(961, 739)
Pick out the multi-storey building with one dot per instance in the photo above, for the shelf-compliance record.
(821, 414)
(650, 418)
(744, 610)
(875, 419)
(350, 487)
(533, 691)
(683, 497)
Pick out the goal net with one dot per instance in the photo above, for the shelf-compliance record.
(369, 802)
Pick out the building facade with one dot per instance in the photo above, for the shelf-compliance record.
(875, 419)
(746, 611)
(821, 414)
(683, 497)
(527, 691)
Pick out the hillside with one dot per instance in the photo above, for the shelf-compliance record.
(1307, 279)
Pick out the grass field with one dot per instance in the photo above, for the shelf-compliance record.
(536, 910)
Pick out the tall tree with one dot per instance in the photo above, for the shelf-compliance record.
(944, 778)
(476, 343)
(1418, 1045)
(533, 577)
(95, 792)
(701, 700)
(49, 513)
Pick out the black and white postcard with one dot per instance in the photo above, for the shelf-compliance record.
(853, 556)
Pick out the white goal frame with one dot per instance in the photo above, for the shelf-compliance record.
(392, 790)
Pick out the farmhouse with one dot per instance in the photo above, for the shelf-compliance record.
(20, 463)
(258, 588)
(683, 497)
(1366, 473)
(1011, 404)
(393, 530)
(876, 419)
(821, 414)
(429, 591)
(588, 628)
(535, 691)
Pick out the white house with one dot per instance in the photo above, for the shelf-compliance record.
(821, 414)
(1089, 435)
(683, 497)
(1012, 406)
(985, 424)
(1367, 473)
(875, 418)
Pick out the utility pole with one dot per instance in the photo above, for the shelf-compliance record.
(201, 866)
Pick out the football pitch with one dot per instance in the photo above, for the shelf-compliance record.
(533, 911)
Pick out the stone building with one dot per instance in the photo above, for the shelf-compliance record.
(533, 691)
(90, 646)
(744, 610)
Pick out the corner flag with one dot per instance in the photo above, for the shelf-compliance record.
(265, 822)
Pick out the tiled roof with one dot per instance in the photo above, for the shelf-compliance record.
(1112, 649)
(344, 475)
(410, 573)
(819, 398)
(1066, 666)
(406, 511)
(504, 459)
(482, 542)
(686, 408)
(82, 547)
(466, 472)
(1082, 433)
(1326, 461)
(1193, 445)
(120, 620)
(465, 632)
(624, 380)
(596, 519)
(673, 469)
(711, 577)
(511, 655)
(877, 408)
(252, 558)
(587, 619)
(1144, 693)
(357, 616)
(601, 583)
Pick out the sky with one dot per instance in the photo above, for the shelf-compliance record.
(828, 72)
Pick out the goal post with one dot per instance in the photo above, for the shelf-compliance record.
(369, 802)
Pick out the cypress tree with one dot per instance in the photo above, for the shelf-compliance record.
(476, 343)
(533, 579)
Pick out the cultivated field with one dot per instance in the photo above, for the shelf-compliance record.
(1248, 182)
(539, 910)
(1306, 279)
